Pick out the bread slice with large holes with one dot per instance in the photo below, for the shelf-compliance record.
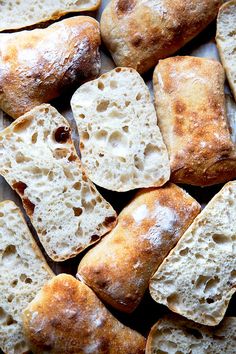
(23, 271)
(174, 334)
(23, 13)
(121, 144)
(226, 41)
(38, 159)
(198, 278)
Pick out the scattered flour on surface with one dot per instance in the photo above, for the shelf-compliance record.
(140, 213)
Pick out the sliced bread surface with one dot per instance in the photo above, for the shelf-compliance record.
(121, 144)
(174, 334)
(22, 13)
(226, 41)
(38, 159)
(198, 278)
(23, 271)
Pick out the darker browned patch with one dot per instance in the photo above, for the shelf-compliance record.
(77, 211)
(124, 7)
(19, 187)
(72, 157)
(109, 220)
(137, 40)
(179, 107)
(29, 206)
(178, 126)
(62, 134)
(84, 177)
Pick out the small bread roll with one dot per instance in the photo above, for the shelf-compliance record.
(118, 269)
(190, 104)
(140, 32)
(66, 317)
(37, 66)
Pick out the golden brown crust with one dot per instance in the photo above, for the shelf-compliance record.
(139, 33)
(67, 317)
(37, 66)
(190, 104)
(119, 268)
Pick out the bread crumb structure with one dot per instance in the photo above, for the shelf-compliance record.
(23, 271)
(120, 142)
(197, 279)
(38, 159)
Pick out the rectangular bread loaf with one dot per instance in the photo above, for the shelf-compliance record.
(119, 268)
(190, 104)
(198, 278)
(23, 271)
(39, 161)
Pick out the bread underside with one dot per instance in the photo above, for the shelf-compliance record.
(22, 13)
(197, 279)
(38, 159)
(23, 271)
(121, 145)
(174, 334)
(226, 41)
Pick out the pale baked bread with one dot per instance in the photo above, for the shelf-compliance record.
(16, 14)
(38, 159)
(190, 104)
(23, 271)
(226, 41)
(198, 277)
(66, 317)
(119, 268)
(120, 142)
(174, 334)
(37, 66)
(140, 32)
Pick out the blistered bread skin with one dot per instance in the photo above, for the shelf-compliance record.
(66, 317)
(16, 14)
(174, 334)
(119, 268)
(191, 111)
(37, 66)
(120, 142)
(39, 161)
(198, 278)
(226, 41)
(23, 271)
(140, 32)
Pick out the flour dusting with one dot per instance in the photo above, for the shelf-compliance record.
(140, 213)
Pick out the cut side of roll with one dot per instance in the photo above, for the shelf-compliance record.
(22, 13)
(226, 41)
(198, 278)
(38, 159)
(121, 144)
(66, 317)
(174, 334)
(23, 271)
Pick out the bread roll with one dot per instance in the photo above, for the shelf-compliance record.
(38, 159)
(226, 41)
(16, 14)
(23, 271)
(198, 278)
(190, 104)
(140, 32)
(120, 142)
(37, 66)
(174, 334)
(66, 317)
(118, 269)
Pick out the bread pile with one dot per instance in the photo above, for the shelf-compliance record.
(163, 240)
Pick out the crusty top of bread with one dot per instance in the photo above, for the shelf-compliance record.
(226, 41)
(140, 32)
(66, 317)
(190, 104)
(22, 13)
(37, 66)
(119, 268)
(174, 334)
(120, 142)
(198, 278)
(38, 159)
(23, 271)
